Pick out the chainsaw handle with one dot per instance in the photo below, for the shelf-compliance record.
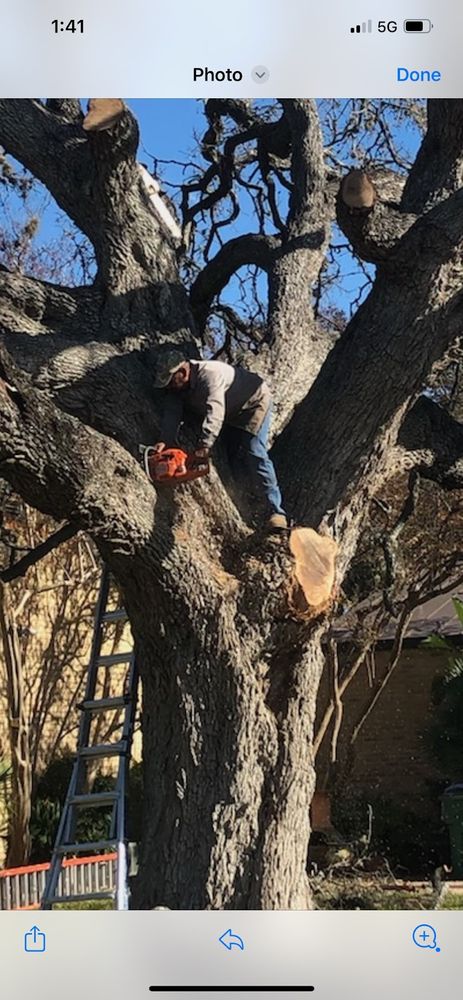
(160, 446)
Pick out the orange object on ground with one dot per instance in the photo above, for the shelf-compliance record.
(174, 465)
(27, 870)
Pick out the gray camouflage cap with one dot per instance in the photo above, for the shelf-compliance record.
(169, 363)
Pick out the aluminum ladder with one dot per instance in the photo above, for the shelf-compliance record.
(113, 802)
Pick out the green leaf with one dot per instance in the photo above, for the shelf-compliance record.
(458, 605)
(437, 642)
(5, 771)
(455, 668)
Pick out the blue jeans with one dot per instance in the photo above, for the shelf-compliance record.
(254, 448)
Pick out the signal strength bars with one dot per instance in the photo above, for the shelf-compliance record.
(366, 27)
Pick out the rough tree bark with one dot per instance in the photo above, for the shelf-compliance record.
(19, 840)
(230, 678)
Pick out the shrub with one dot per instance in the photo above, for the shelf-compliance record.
(445, 734)
(409, 840)
(93, 823)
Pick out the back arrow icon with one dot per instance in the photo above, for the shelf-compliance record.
(230, 940)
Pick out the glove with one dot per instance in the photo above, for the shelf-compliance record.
(159, 447)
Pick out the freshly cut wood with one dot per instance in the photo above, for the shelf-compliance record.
(102, 113)
(315, 557)
(357, 190)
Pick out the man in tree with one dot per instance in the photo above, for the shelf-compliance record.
(223, 394)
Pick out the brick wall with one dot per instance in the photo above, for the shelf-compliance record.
(391, 759)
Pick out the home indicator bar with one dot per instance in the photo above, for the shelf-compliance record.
(232, 989)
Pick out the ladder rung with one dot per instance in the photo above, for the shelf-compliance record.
(94, 845)
(81, 898)
(104, 750)
(117, 615)
(95, 799)
(103, 704)
(109, 661)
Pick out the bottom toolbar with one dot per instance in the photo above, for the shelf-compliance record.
(356, 954)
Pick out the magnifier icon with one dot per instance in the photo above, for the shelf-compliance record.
(425, 936)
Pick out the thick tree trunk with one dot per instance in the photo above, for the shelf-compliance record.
(281, 859)
(229, 695)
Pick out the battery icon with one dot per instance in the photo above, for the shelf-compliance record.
(416, 27)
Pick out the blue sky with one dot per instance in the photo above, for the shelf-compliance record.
(167, 126)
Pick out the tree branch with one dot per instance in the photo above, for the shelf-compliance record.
(373, 226)
(393, 662)
(86, 172)
(273, 136)
(433, 441)
(34, 306)
(377, 230)
(74, 168)
(249, 249)
(338, 707)
(68, 470)
(437, 171)
(389, 540)
(307, 206)
(415, 599)
(342, 688)
(66, 107)
(380, 363)
(20, 567)
(297, 345)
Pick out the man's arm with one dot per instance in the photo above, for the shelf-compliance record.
(215, 410)
(171, 419)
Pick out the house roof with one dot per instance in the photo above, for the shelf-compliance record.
(437, 615)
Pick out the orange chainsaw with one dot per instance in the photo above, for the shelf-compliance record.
(172, 465)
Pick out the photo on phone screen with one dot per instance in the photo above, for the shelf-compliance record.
(231, 500)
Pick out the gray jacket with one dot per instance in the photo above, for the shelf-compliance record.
(218, 393)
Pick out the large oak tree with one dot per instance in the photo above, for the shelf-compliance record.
(230, 674)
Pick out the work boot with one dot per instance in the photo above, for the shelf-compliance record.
(102, 113)
(277, 522)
